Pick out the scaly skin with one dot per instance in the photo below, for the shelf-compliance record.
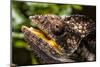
(67, 34)
(42, 49)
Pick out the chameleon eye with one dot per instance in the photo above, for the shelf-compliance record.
(57, 29)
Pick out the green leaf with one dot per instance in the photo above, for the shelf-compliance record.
(77, 7)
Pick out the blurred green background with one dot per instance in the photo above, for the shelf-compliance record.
(21, 53)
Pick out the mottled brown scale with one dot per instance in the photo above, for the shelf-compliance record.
(55, 27)
(67, 32)
(43, 46)
(79, 24)
(52, 24)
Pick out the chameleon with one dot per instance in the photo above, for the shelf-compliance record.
(61, 40)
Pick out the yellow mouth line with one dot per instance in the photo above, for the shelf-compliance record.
(51, 42)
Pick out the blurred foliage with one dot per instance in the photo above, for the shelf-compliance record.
(20, 14)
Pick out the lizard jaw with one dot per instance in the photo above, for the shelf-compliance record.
(40, 34)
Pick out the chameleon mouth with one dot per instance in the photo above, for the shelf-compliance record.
(46, 38)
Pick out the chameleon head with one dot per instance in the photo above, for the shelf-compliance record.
(50, 23)
(57, 37)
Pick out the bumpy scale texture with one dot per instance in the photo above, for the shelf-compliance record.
(75, 35)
